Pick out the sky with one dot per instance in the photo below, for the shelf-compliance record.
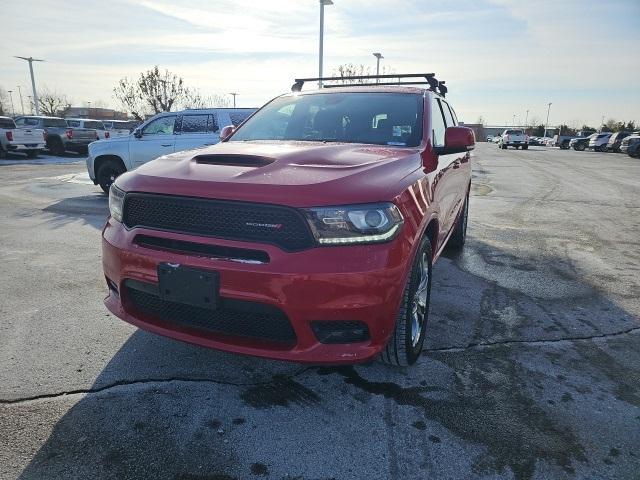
(499, 58)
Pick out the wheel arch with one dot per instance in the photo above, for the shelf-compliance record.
(102, 159)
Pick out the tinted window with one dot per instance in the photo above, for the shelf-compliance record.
(195, 123)
(514, 132)
(238, 117)
(74, 123)
(6, 123)
(437, 123)
(447, 114)
(338, 117)
(52, 122)
(96, 125)
(159, 126)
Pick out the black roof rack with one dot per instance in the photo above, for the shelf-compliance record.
(429, 79)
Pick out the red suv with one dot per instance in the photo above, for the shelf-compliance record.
(307, 234)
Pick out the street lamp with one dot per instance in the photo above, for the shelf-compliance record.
(13, 111)
(321, 53)
(526, 119)
(601, 123)
(30, 104)
(513, 122)
(33, 82)
(547, 124)
(234, 98)
(21, 102)
(378, 55)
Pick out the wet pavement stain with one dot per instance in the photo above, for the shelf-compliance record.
(282, 392)
(516, 432)
(259, 469)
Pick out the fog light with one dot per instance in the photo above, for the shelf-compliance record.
(340, 331)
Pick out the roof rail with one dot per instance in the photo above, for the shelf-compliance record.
(429, 79)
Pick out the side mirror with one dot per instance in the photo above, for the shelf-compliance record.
(457, 140)
(137, 133)
(226, 132)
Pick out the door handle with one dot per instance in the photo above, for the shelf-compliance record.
(456, 164)
(167, 145)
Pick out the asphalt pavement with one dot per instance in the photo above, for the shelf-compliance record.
(531, 368)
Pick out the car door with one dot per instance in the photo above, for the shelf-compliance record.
(156, 139)
(445, 188)
(197, 130)
(461, 165)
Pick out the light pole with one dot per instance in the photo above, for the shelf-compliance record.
(601, 123)
(33, 82)
(30, 104)
(513, 122)
(13, 111)
(321, 53)
(547, 124)
(88, 109)
(234, 98)
(21, 102)
(526, 119)
(378, 56)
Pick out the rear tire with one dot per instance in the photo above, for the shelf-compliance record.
(3, 153)
(504, 147)
(580, 147)
(32, 153)
(56, 147)
(525, 147)
(107, 174)
(405, 343)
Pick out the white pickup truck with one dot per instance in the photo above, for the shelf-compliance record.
(13, 139)
(513, 138)
(167, 132)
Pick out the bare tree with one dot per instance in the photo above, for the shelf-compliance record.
(51, 102)
(4, 102)
(153, 92)
(194, 99)
(347, 70)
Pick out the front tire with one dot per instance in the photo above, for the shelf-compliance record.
(580, 147)
(405, 343)
(107, 174)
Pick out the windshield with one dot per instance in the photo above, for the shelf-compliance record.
(374, 118)
(514, 132)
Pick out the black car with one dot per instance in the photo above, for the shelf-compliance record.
(580, 144)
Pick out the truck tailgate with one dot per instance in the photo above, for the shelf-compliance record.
(83, 135)
(27, 136)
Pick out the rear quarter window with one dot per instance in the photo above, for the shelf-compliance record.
(6, 123)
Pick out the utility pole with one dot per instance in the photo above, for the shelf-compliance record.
(13, 111)
(21, 102)
(33, 82)
(234, 98)
(547, 124)
(378, 55)
(321, 52)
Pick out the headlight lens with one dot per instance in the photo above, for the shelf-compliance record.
(116, 202)
(354, 224)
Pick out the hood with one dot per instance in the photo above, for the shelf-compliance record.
(296, 174)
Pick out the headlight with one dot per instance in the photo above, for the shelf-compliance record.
(116, 202)
(354, 224)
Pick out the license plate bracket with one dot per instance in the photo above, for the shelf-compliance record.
(191, 286)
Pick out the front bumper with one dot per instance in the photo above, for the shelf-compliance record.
(356, 283)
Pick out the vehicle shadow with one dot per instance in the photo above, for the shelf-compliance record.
(502, 391)
(90, 209)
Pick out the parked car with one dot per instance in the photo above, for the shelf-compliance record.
(167, 132)
(598, 142)
(118, 128)
(513, 138)
(615, 141)
(22, 140)
(308, 234)
(562, 141)
(59, 136)
(631, 145)
(581, 143)
(101, 131)
(489, 138)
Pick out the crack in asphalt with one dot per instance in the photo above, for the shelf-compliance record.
(471, 346)
(127, 383)
(481, 345)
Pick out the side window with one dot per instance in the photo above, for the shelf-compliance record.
(447, 115)
(238, 117)
(453, 114)
(437, 123)
(160, 126)
(73, 123)
(195, 123)
(21, 121)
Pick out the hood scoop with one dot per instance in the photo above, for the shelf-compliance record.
(234, 160)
